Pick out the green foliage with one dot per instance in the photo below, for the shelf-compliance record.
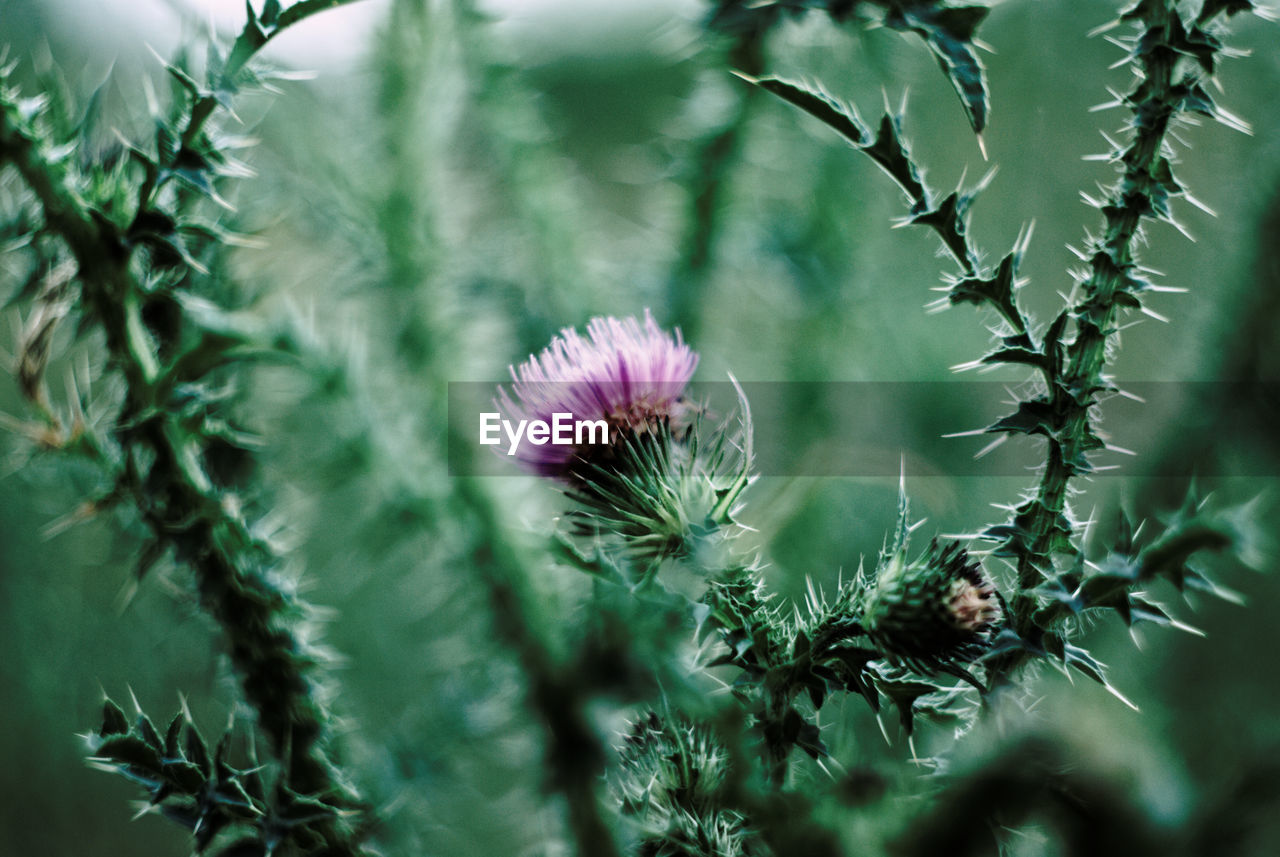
(231, 811)
(671, 778)
(1170, 56)
(949, 31)
(140, 282)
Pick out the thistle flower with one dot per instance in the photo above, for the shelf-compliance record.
(933, 612)
(628, 374)
(647, 474)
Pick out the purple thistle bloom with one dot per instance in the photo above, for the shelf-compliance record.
(629, 374)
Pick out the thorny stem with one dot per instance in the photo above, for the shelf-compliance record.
(165, 474)
(1162, 55)
(707, 180)
(574, 755)
(1082, 377)
(527, 172)
(405, 224)
(98, 249)
(1074, 373)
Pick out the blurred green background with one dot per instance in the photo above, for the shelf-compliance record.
(495, 174)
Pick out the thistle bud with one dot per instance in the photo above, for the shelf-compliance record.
(931, 612)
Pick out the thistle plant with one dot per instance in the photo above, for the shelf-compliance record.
(617, 642)
(132, 230)
(1172, 57)
(943, 613)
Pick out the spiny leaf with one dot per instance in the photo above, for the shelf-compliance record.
(903, 693)
(196, 751)
(948, 219)
(1033, 416)
(1084, 663)
(996, 289)
(134, 754)
(889, 150)
(1230, 7)
(949, 32)
(113, 720)
(147, 732)
(173, 736)
(843, 118)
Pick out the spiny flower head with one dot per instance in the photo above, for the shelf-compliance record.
(627, 373)
(936, 610)
(670, 779)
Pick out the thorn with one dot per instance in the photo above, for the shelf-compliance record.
(982, 146)
(970, 433)
(1190, 629)
(1233, 121)
(1200, 205)
(1120, 696)
(825, 770)
(1124, 43)
(1123, 61)
(1000, 439)
(1105, 28)
(82, 512)
(127, 593)
(883, 730)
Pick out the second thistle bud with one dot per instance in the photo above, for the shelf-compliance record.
(936, 610)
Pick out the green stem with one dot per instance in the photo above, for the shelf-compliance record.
(575, 758)
(707, 182)
(406, 222)
(235, 571)
(1073, 391)
(405, 219)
